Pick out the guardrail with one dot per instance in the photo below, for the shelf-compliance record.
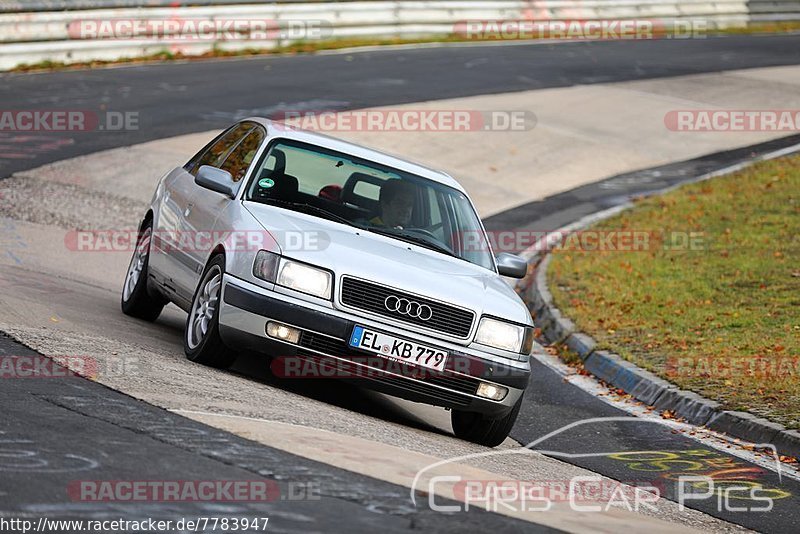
(43, 34)
(19, 6)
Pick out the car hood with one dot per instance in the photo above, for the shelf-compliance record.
(348, 250)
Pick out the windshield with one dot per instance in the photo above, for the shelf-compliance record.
(374, 197)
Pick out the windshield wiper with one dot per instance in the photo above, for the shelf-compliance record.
(414, 238)
(301, 206)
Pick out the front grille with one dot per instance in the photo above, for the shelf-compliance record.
(335, 347)
(371, 297)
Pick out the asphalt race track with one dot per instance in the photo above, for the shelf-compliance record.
(174, 99)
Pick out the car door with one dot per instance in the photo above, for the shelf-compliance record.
(172, 256)
(206, 206)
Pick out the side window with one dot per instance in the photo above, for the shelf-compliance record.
(215, 154)
(239, 160)
(473, 245)
(270, 163)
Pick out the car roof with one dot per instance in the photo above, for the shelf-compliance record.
(278, 129)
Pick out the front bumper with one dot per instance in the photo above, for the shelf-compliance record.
(245, 310)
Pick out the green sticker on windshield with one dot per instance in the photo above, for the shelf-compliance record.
(266, 183)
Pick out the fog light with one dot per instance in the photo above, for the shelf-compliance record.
(283, 332)
(492, 391)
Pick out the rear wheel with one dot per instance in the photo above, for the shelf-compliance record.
(483, 430)
(136, 302)
(201, 341)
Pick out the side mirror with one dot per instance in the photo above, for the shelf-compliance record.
(511, 265)
(216, 180)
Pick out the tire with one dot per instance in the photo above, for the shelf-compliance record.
(477, 428)
(136, 301)
(201, 340)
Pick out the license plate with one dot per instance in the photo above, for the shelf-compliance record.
(397, 348)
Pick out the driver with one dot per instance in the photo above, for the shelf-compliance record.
(396, 202)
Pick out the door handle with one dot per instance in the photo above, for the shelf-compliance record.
(188, 210)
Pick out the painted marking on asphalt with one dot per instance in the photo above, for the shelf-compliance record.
(726, 472)
(24, 456)
(715, 440)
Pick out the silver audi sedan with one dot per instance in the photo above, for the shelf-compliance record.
(335, 260)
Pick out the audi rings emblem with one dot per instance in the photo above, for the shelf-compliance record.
(404, 306)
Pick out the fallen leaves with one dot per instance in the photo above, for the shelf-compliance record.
(736, 297)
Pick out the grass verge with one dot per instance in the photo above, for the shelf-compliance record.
(720, 315)
(300, 47)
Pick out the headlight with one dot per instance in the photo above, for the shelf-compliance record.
(292, 274)
(500, 335)
(304, 278)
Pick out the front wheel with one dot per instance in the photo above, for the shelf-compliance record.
(477, 428)
(136, 301)
(201, 341)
